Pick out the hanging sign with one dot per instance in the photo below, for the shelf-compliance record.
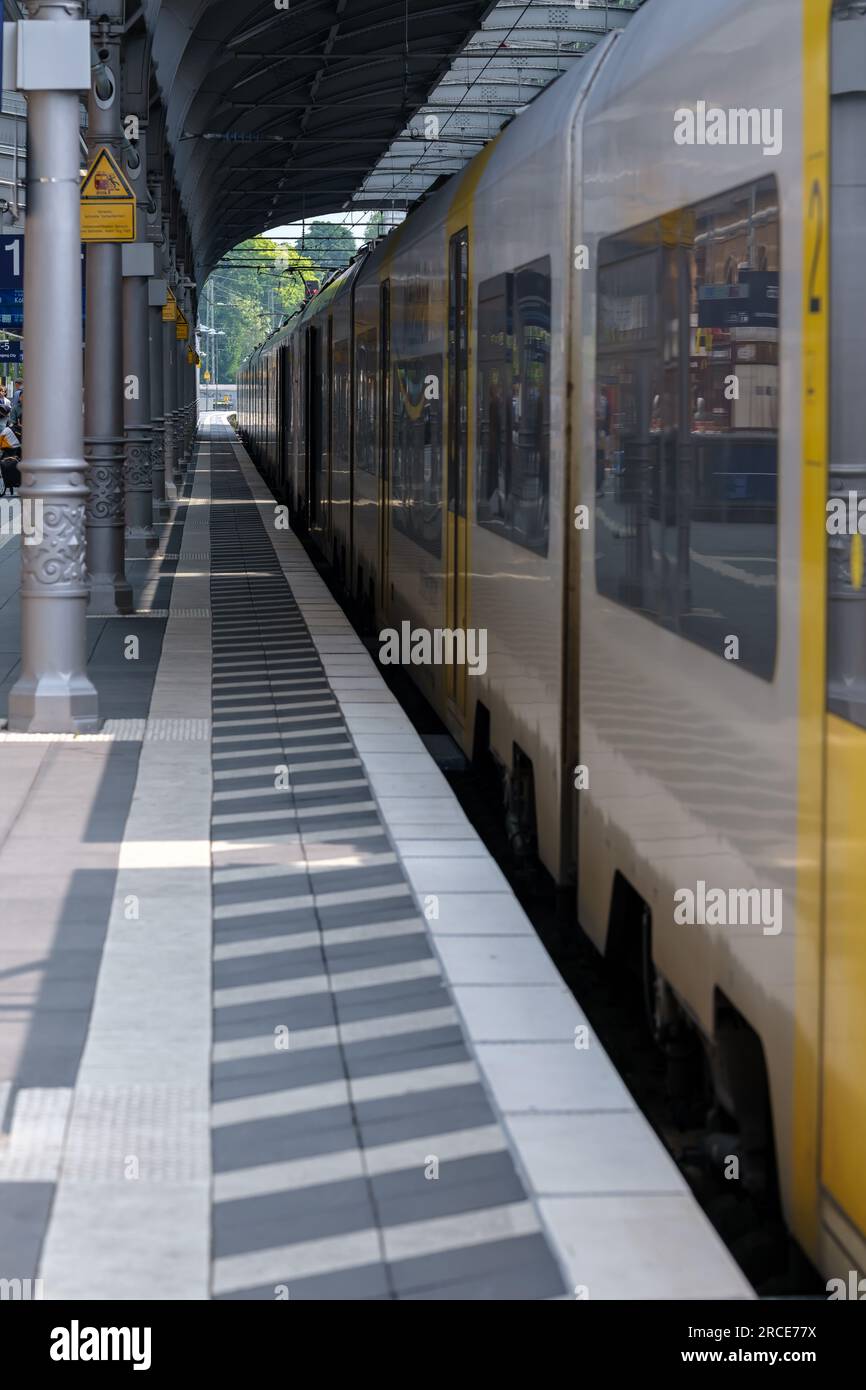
(107, 201)
(169, 308)
(181, 326)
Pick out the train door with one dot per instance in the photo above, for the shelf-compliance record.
(457, 579)
(313, 412)
(384, 441)
(843, 1053)
(287, 446)
(280, 441)
(328, 441)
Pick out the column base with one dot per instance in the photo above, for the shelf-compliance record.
(110, 595)
(53, 704)
(161, 510)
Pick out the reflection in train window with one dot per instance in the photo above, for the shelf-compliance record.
(513, 406)
(416, 450)
(687, 417)
(367, 401)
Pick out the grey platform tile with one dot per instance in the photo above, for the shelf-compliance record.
(542, 1281)
(293, 882)
(377, 1051)
(283, 965)
(288, 1218)
(381, 954)
(256, 1076)
(397, 1119)
(357, 1285)
(462, 1184)
(450, 1051)
(285, 1265)
(24, 1211)
(49, 1053)
(365, 881)
(282, 1138)
(523, 1265)
(383, 1000)
(280, 925)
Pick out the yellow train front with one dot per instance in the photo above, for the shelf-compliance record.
(584, 402)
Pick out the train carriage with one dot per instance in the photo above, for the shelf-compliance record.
(583, 400)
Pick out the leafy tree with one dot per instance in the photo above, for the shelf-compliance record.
(375, 227)
(254, 287)
(329, 245)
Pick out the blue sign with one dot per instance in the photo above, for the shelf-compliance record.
(10, 350)
(12, 281)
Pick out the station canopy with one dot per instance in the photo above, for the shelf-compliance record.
(285, 110)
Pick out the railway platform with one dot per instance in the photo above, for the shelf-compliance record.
(272, 1024)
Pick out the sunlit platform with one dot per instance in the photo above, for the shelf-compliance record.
(272, 1024)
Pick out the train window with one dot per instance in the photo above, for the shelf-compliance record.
(687, 417)
(417, 452)
(367, 401)
(513, 406)
(416, 418)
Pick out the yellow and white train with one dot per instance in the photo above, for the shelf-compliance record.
(586, 398)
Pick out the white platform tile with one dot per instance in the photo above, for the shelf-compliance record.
(515, 1013)
(398, 811)
(143, 1080)
(479, 914)
(548, 1076)
(435, 841)
(602, 1152)
(500, 960)
(634, 1247)
(396, 743)
(475, 876)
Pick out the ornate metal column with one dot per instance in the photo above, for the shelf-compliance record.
(110, 591)
(180, 365)
(156, 299)
(53, 694)
(137, 270)
(169, 388)
(139, 264)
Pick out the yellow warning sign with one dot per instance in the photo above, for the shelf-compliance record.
(181, 326)
(207, 376)
(107, 201)
(169, 308)
(190, 357)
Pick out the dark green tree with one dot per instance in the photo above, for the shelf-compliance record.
(254, 287)
(329, 245)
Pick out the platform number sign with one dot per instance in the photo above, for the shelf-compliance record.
(12, 281)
